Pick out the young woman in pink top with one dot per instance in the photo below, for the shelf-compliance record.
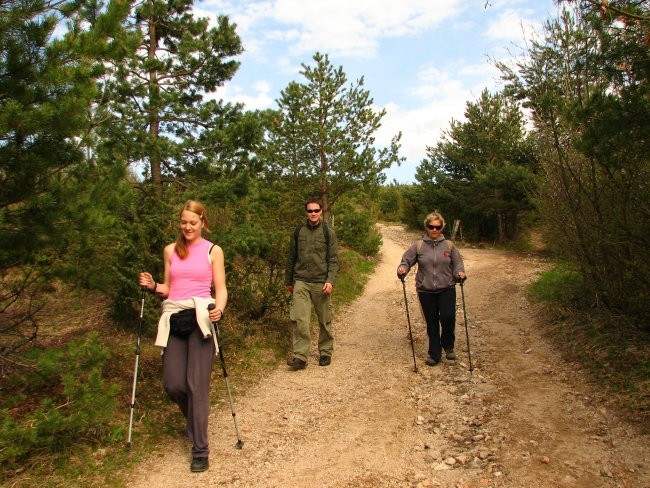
(192, 265)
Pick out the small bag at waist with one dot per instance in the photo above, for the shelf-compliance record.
(183, 323)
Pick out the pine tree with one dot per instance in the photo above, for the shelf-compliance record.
(482, 167)
(162, 117)
(50, 59)
(323, 141)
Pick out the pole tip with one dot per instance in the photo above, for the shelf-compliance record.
(240, 444)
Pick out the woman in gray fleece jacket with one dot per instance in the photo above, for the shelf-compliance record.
(439, 266)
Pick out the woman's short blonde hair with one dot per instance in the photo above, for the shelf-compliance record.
(434, 216)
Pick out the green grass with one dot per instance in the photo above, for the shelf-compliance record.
(557, 285)
(353, 275)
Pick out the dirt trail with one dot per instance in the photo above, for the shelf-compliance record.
(522, 418)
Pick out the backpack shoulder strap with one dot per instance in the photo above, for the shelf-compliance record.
(450, 245)
(326, 234)
(296, 232)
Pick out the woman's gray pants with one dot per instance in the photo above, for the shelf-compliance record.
(187, 366)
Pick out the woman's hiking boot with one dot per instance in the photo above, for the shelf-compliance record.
(430, 361)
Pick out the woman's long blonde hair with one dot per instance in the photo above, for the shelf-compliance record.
(198, 209)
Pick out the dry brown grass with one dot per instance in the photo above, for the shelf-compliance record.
(615, 355)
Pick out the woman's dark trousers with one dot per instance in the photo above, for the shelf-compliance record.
(187, 364)
(439, 310)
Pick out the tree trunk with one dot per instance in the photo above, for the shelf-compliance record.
(324, 186)
(501, 227)
(154, 121)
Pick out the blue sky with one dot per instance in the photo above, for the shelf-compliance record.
(421, 60)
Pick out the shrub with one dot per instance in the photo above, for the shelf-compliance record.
(70, 401)
(355, 228)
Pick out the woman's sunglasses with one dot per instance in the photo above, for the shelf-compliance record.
(434, 227)
(313, 210)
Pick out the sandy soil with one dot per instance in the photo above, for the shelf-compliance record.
(521, 418)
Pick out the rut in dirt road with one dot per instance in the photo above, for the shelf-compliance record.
(368, 420)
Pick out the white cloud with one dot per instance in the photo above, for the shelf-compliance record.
(344, 28)
(337, 27)
(257, 98)
(511, 25)
(435, 84)
(443, 94)
(420, 127)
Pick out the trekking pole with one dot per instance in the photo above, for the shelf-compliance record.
(135, 371)
(239, 444)
(462, 292)
(408, 319)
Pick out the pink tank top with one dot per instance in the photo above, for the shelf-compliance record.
(192, 276)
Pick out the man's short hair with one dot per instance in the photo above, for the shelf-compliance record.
(313, 200)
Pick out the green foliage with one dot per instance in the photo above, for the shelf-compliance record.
(322, 139)
(355, 269)
(390, 202)
(256, 264)
(253, 225)
(413, 208)
(46, 91)
(355, 227)
(75, 401)
(48, 219)
(147, 225)
(586, 83)
(481, 172)
(157, 108)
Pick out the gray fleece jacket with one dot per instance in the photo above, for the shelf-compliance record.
(439, 263)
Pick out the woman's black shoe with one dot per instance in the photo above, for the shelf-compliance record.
(324, 361)
(199, 464)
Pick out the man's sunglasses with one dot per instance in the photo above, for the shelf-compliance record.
(434, 227)
(313, 210)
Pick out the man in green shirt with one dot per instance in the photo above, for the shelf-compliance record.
(310, 276)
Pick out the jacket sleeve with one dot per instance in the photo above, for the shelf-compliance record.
(291, 262)
(410, 257)
(456, 262)
(333, 263)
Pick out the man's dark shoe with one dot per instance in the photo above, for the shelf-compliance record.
(430, 361)
(199, 464)
(296, 364)
(324, 360)
(450, 354)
